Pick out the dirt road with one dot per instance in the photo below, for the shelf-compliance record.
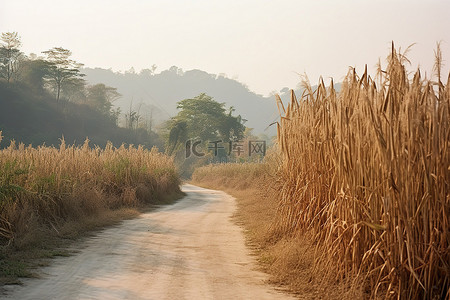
(189, 250)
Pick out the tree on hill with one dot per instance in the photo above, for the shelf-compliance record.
(62, 69)
(10, 55)
(205, 119)
(75, 90)
(101, 97)
(33, 73)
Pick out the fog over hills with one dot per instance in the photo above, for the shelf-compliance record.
(156, 95)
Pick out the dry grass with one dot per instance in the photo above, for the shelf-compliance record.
(238, 176)
(47, 187)
(366, 173)
(289, 260)
(243, 180)
(359, 197)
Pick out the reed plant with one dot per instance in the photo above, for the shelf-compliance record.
(49, 186)
(366, 171)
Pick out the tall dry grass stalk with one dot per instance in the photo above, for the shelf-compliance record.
(52, 185)
(367, 172)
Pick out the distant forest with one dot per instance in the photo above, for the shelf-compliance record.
(155, 95)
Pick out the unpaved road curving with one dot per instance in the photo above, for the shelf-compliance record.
(188, 250)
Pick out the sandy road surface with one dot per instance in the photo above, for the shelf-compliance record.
(189, 250)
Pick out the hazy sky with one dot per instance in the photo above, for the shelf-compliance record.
(264, 44)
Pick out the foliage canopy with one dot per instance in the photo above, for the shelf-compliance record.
(205, 119)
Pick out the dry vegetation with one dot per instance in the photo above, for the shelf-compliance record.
(242, 180)
(288, 259)
(47, 187)
(364, 177)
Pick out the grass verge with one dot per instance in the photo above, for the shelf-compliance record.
(288, 260)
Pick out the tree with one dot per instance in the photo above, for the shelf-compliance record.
(205, 119)
(115, 114)
(101, 97)
(149, 72)
(62, 68)
(33, 72)
(10, 55)
(132, 117)
(74, 90)
(177, 134)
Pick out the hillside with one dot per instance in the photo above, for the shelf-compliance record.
(34, 118)
(160, 93)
